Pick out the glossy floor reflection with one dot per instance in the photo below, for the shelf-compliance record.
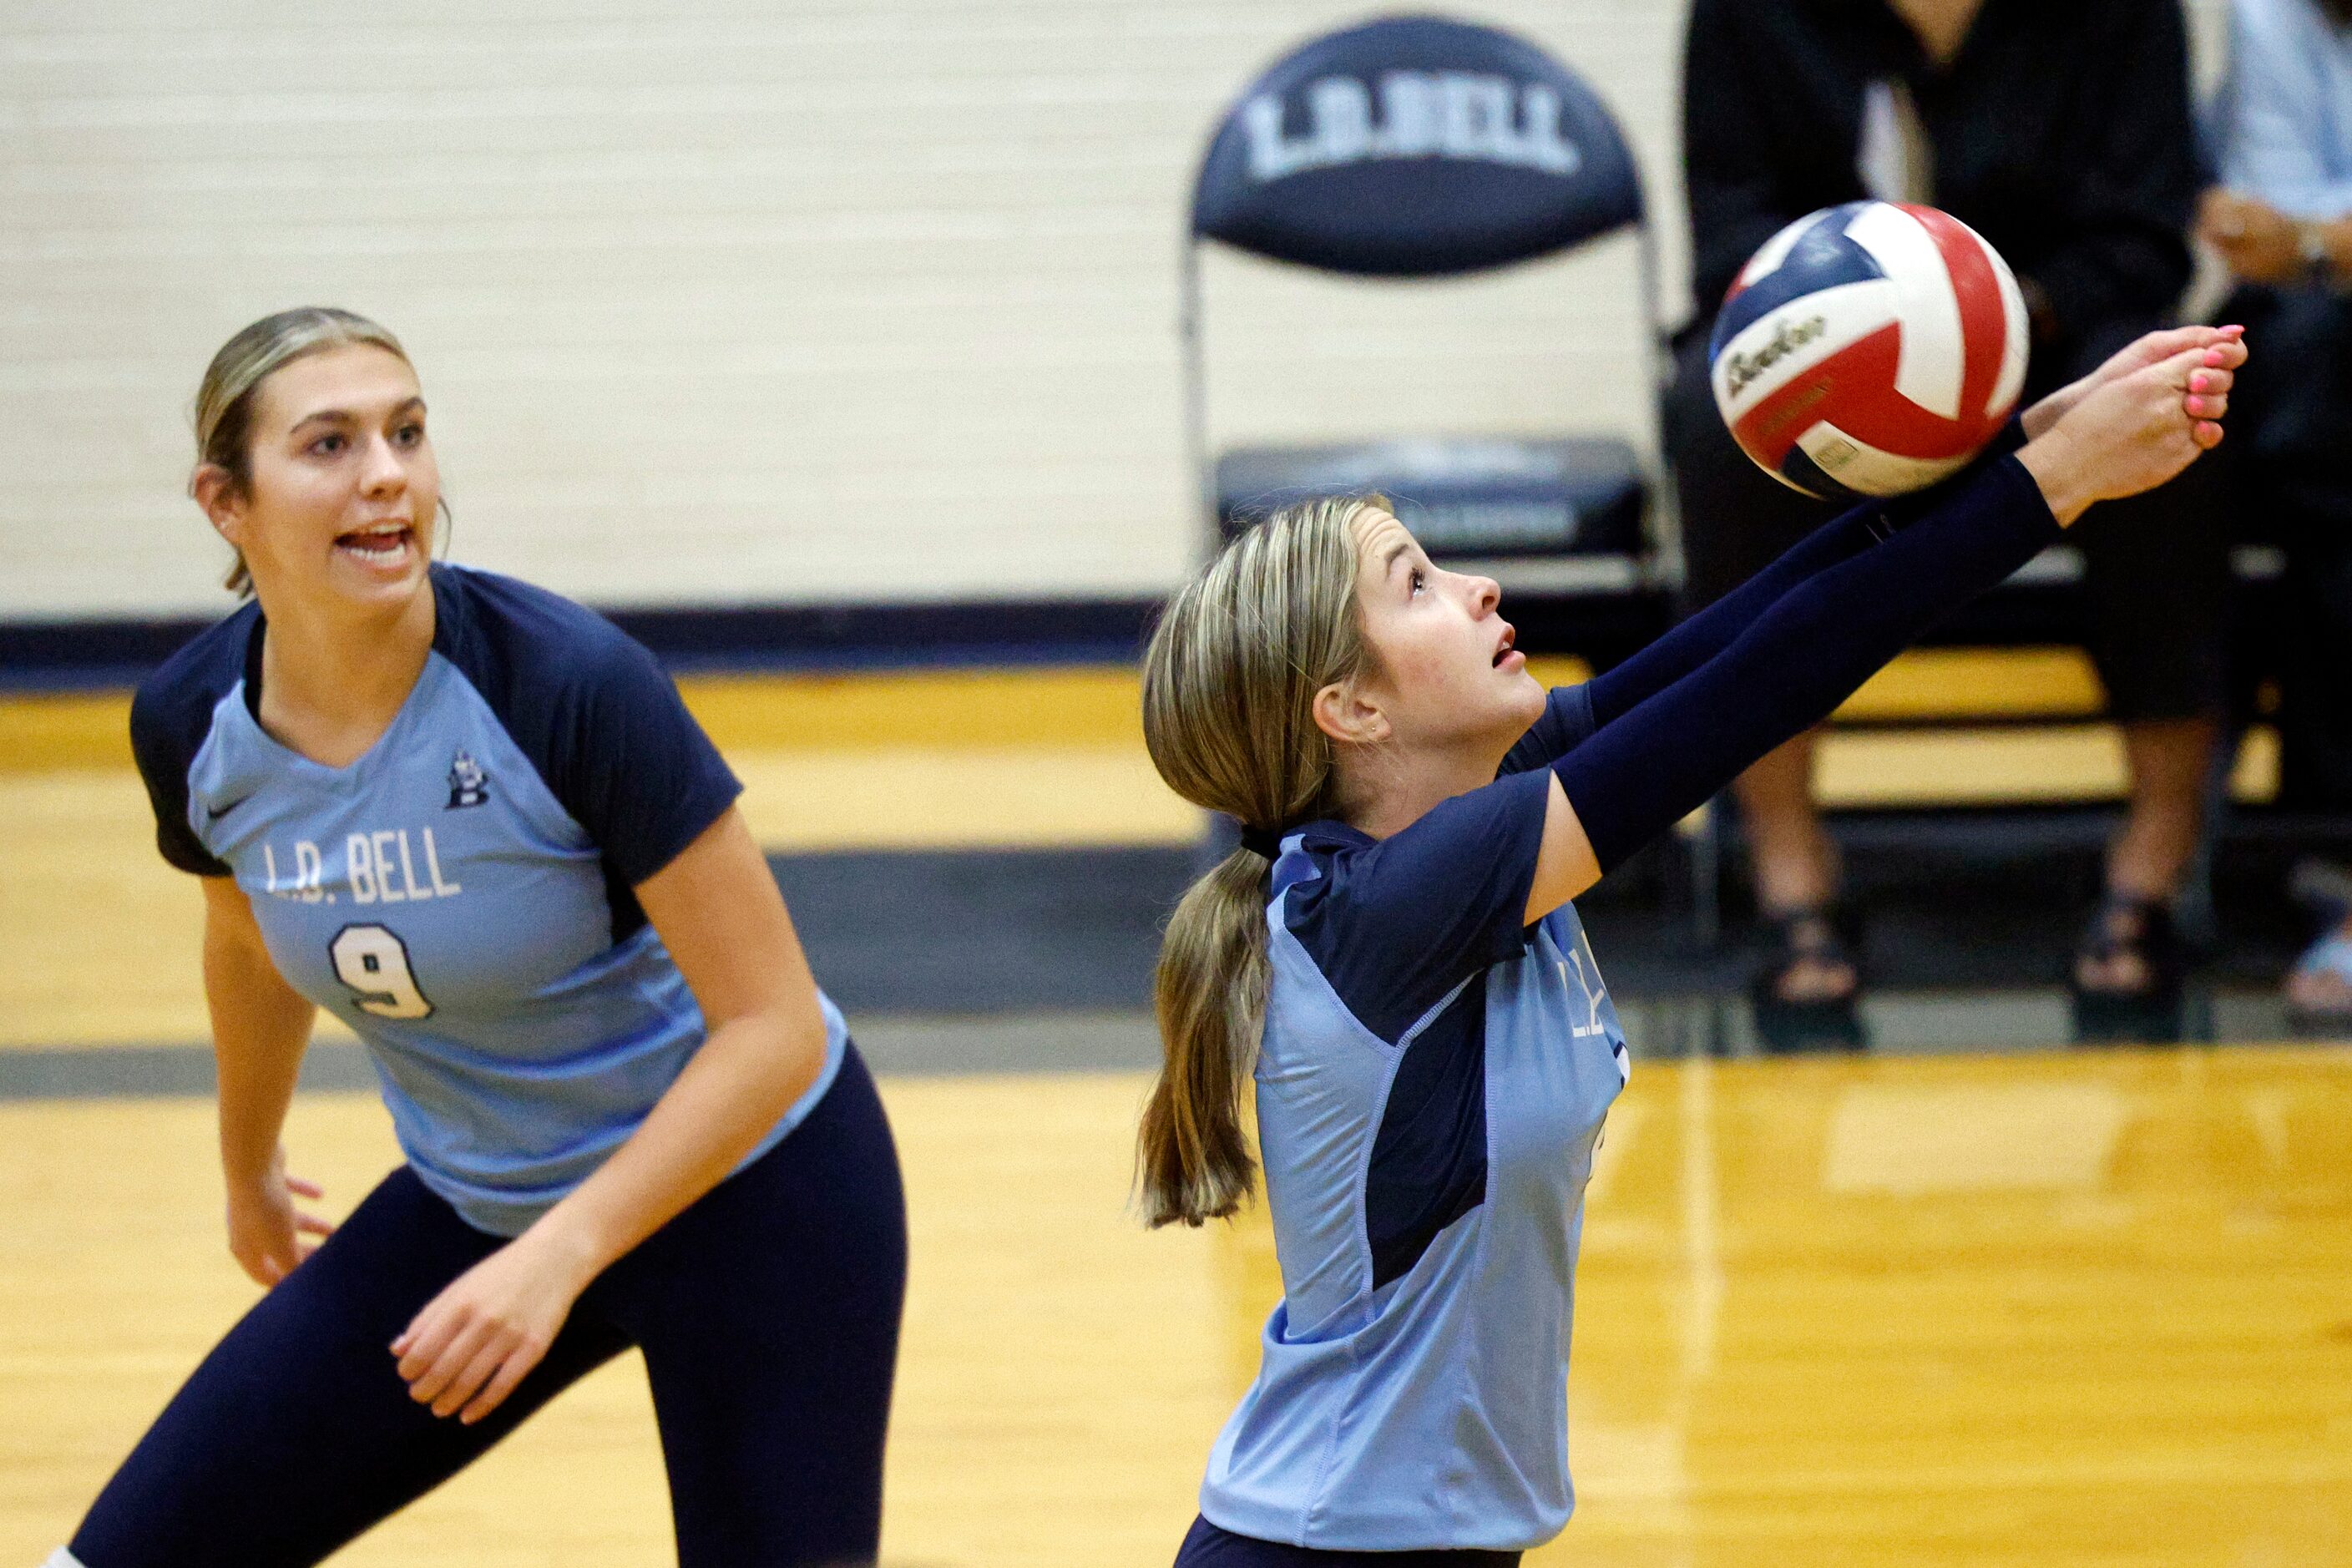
(2046, 1311)
(2060, 1310)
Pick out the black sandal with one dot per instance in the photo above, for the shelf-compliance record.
(2127, 925)
(1806, 934)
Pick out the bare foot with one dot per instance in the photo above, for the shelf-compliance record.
(1817, 973)
(2122, 969)
(2125, 949)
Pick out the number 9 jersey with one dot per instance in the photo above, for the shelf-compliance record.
(461, 894)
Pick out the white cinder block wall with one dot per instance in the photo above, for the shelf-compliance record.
(784, 303)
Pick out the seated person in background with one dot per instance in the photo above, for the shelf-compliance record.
(2063, 134)
(2282, 220)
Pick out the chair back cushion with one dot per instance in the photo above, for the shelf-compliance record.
(1460, 496)
(1415, 147)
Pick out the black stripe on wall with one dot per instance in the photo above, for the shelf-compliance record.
(87, 653)
(1600, 627)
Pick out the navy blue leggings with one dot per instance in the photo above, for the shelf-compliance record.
(768, 1313)
(1210, 1546)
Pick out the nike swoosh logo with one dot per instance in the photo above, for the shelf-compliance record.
(214, 813)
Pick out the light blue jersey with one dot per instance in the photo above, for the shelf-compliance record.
(1431, 1087)
(461, 895)
(2284, 115)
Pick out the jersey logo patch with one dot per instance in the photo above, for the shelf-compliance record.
(469, 785)
(214, 813)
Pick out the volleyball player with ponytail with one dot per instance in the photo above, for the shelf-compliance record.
(1391, 966)
(477, 824)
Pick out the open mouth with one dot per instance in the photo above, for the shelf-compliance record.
(381, 544)
(1505, 653)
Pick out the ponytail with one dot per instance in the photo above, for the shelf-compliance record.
(1229, 686)
(1210, 994)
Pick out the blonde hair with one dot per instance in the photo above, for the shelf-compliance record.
(1229, 685)
(232, 383)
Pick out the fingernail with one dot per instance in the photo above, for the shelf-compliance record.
(2197, 382)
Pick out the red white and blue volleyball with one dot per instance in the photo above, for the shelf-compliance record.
(1869, 349)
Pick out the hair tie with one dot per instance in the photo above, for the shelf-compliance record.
(1264, 842)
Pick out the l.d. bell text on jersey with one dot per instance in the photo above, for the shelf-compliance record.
(461, 894)
(372, 867)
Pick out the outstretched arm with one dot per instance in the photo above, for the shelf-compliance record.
(1577, 712)
(1715, 628)
(1574, 713)
(1821, 640)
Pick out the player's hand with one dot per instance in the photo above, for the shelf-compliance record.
(266, 1230)
(464, 1353)
(2134, 432)
(2225, 350)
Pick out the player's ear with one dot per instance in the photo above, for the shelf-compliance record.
(1348, 713)
(217, 490)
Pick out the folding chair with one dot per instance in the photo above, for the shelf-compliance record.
(1418, 147)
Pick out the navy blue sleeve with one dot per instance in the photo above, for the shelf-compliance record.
(1704, 635)
(1567, 721)
(1395, 924)
(637, 772)
(171, 715)
(1811, 650)
(1709, 632)
(597, 715)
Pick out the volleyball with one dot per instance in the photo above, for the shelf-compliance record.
(1869, 348)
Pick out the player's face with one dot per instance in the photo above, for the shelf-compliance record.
(1447, 673)
(343, 487)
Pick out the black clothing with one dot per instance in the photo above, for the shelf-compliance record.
(768, 1311)
(2290, 412)
(1679, 721)
(2061, 132)
(2288, 472)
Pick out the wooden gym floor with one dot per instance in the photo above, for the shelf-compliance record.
(2049, 1309)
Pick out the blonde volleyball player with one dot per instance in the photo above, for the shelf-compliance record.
(1390, 964)
(475, 822)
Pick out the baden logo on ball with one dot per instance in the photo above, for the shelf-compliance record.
(1869, 348)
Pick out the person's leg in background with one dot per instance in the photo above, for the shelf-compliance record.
(2157, 574)
(2299, 491)
(2315, 745)
(1735, 519)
